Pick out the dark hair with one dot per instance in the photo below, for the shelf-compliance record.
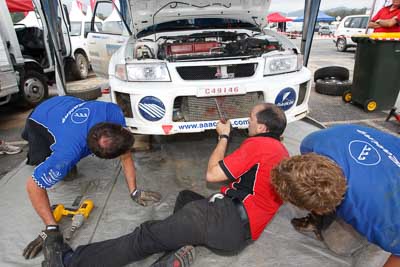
(109, 140)
(273, 117)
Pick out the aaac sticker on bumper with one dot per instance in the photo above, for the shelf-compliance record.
(286, 98)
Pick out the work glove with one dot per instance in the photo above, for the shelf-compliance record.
(35, 246)
(310, 223)
(145, 198)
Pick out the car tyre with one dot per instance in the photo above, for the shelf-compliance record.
(332, 87)
(33, 88)
(340, 73)
(341, 45)
(86, 94)
(82, 66)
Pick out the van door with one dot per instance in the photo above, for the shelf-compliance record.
(105, 40)
(8, 78)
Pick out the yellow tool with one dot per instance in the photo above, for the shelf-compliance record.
(86, 207)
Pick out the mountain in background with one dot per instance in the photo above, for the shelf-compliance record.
(334, 12)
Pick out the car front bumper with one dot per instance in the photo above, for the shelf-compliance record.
(151, 107)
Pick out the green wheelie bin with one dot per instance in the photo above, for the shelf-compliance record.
(376, 78)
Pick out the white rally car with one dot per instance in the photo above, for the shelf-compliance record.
(180, 66)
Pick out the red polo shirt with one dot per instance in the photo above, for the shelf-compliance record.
(385, 13)
(249, 169)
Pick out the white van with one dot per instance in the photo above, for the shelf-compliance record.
(350, 25)
(80, 27)
(25, 56)
(187, 64)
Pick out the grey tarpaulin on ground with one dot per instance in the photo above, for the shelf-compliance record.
(172, 166)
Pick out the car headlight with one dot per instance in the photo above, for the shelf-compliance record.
(120, 71)
(281, 64)
(148, 72)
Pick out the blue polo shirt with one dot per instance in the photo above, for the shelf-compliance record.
(370, 160)
(69, 119)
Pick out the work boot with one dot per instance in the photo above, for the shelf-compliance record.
(54, 249)
(183, 257)
(8, 149)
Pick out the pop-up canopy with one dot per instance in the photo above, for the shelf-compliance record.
(20, 5)
(277, 17)
(322, 17)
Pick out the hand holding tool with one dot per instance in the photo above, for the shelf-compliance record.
(222, 118)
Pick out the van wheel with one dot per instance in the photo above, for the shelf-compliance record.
(82, 66)
(340, 73)
(341, 45)
(33, 88)
(332, 86)
(90, 93)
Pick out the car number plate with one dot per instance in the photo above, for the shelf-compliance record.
(220, 91)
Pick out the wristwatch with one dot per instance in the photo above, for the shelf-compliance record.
(223, 136)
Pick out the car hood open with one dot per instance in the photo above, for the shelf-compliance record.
(145, 13)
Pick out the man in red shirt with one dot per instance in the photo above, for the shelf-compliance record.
(387, 19)
(224, 222)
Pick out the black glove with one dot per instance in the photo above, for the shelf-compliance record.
(311, 223)
(144, 198)
(35, 246)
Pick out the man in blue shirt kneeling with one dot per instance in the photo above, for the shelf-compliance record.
(350, 173)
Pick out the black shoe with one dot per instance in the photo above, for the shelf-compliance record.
(72, 174)
(53, 249)
(183, 257)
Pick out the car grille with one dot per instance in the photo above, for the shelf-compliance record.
(211, 72)
(204, 108)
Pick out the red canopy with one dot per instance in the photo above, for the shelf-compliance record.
(276, 17)
(20, 5)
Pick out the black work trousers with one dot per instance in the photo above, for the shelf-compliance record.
(195, 221)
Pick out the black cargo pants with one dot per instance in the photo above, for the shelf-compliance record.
(195, 221)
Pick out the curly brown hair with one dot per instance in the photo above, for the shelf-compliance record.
(312, 182)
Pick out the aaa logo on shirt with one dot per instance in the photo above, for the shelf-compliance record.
(80, 115)
(364, 153)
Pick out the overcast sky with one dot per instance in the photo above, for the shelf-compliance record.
(293, 5)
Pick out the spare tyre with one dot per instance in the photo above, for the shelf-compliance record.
(332, 87)
(340, 73)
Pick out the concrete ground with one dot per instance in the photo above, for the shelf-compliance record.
(176, 162)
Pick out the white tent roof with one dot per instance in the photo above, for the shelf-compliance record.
(76, 13)
(31, 20)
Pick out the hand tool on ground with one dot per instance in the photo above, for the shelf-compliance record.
(60, 210)
(78, 215)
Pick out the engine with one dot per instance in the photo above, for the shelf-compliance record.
(206, 45)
